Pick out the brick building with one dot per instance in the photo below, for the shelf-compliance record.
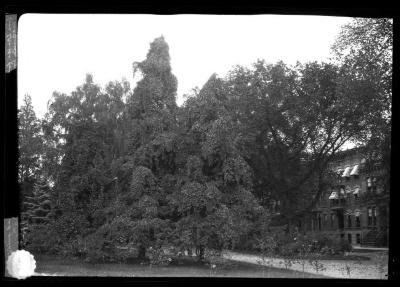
(356, 207)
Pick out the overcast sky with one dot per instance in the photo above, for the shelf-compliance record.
(56, 51)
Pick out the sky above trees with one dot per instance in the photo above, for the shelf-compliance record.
(56, 51)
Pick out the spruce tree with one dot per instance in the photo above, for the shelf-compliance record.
(37, 207)
(30, 148)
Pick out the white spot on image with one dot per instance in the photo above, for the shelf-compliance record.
(21, 264)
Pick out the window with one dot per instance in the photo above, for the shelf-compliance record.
(332, 219)
(349, 221)
(374, 184)
(369, 216)
(334, 195)
(319, 222)
(346, 172)
(358, 222)
(374, 214)
(355, 170)
(349, 238)
(273, 205)
(369, 182)
(358, 238)
(356, 191)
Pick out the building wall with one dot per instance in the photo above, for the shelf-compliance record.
(349, 205)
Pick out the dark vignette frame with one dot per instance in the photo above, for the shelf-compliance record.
(9, 155)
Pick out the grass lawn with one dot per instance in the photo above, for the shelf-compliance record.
(52, 266)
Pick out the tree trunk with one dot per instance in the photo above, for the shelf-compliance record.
(142, 252)
(288, 226)
(200, 253)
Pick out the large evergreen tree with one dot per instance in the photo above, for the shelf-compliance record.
(30, 145)
(213, 201)
(36, 209)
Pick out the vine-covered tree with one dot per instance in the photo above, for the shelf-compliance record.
(138, 212)
(214, 202)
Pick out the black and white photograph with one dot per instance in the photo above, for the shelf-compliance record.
(201, 145)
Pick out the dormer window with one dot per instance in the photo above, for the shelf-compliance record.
(374, 184)
(346, 172)
(355, 170)
(334, 195)
(356, 191)
(369, 182)
(339, 172)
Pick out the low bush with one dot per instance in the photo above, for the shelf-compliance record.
(297, 245)
(42, 239)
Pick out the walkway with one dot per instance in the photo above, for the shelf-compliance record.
(367, 248)
(376, 268)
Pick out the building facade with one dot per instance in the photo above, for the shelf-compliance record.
(356, 207)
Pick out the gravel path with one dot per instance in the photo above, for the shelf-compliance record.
(376, 268)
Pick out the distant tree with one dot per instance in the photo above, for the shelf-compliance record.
(30, 150)
(82, 136)
(37, 206)
(30, 146)
(36, 209)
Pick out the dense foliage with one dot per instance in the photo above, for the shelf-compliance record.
(128, 173)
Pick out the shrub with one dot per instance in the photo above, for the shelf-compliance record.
(158, 256)
(342, 245)
(304, 245)
(94, 247)
(42, 239)
(70, 225)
